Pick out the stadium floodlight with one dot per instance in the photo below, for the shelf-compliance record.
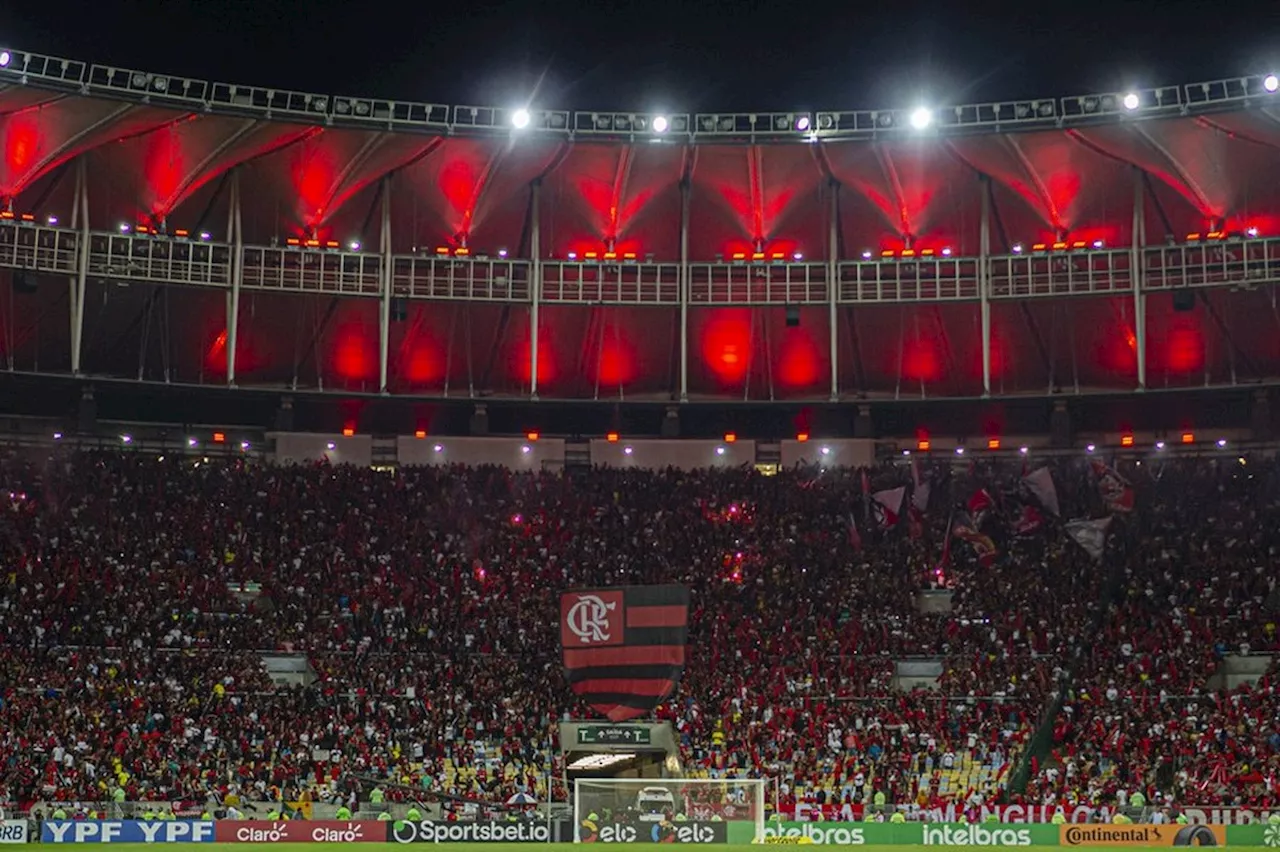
(354, 245)
(53, 220)
(802, 123)
(921, 118)
(1270, 82)
(660, 124)
(520, 119)
(1131, 101)
(5, 58)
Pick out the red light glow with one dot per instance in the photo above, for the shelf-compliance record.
(314, 174)
(164, 168)
(617, 365)
(726, 344)
(800, 364)
(355, 354)
(921, 359)
(23, 149)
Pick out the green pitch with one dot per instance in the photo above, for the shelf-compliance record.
(517, 847)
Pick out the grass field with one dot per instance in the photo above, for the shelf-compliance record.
(535, 847)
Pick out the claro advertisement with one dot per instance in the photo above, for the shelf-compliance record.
(302, 831)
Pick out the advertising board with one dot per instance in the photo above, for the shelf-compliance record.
(1143, 835)
(13, 831)
(914, 834)
(689, 833)
(431, 831)
(126, 831)
(302, 831)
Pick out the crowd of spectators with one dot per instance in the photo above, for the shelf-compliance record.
(138, 594)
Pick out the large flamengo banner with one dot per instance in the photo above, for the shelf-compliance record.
(624, 648)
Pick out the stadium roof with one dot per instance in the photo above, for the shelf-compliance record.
(899, 238)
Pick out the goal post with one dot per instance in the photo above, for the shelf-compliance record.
(664, 810)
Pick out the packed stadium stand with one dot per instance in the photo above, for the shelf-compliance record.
(140, 596)
(1069, 623)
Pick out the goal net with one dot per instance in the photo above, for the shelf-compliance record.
(669, 810)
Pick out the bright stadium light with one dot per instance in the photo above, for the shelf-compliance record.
(1131, 101)
(802, 123)
(921, 117)
(5, 58)
(520, 119)
(1270, 82)
(660, 124)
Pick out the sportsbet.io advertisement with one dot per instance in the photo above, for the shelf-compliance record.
(687, 833)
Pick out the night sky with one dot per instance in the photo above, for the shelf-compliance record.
(677, 55)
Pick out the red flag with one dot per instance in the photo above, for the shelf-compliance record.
(624, 649)
(1029, 521)
(983, 547)
(1115, 490)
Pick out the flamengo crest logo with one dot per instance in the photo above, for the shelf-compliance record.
(588, 619)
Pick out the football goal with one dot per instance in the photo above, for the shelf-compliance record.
(666, 810)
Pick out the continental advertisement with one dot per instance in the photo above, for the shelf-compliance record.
(1143, 835)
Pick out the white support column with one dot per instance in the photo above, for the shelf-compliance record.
(236, 238)
(535, 284)
(1137, 278)
(684, 290)
(384, 314)
(80, 222)
(833, 288)
(984, 280)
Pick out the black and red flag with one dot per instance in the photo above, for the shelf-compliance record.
(624, 648)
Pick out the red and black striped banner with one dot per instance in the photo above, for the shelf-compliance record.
(624, 648)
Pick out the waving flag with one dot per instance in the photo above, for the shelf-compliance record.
(983, 547)
(1090, 535)
(887, 505)
(1115, 490)
(624, 648)
(1040, 483)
